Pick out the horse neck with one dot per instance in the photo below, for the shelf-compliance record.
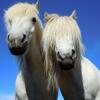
(32, 60)
(33, 71)
(71, 80)
(72, 73)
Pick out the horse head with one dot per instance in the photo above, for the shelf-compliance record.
(63, 36)
(21, 20)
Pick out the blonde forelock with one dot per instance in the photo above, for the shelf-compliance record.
(20, 10)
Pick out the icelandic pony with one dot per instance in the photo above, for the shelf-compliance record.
(76, 76)
(24, 41)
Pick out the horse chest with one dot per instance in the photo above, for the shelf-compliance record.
(73, 92)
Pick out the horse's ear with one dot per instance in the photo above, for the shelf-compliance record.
(38, 4)
(74, 15)
(47, 16)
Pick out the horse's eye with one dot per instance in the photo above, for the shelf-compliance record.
(34, 20)
(10, 21)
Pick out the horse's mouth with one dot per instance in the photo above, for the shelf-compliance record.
(66, 66)
(17, 51)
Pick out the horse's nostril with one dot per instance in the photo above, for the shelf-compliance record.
(24, 36)
(73, 51)
(8, 37)
(59, 56)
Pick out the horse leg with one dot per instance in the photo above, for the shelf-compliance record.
(98, 96)
(20, 88)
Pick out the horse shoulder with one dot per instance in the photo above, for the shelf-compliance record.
(90, 77)
(98, 92)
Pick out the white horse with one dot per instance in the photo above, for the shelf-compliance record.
(77, 77)
(24, 40)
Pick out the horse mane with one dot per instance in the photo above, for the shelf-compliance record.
(57, 27)
(21, 9)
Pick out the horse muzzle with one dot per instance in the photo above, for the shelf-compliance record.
(68, 64)
(65, 66)
(18, 50)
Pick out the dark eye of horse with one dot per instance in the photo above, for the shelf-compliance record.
(10, 21)
(34, 20)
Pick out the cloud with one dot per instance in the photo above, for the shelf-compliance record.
(7, 97)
